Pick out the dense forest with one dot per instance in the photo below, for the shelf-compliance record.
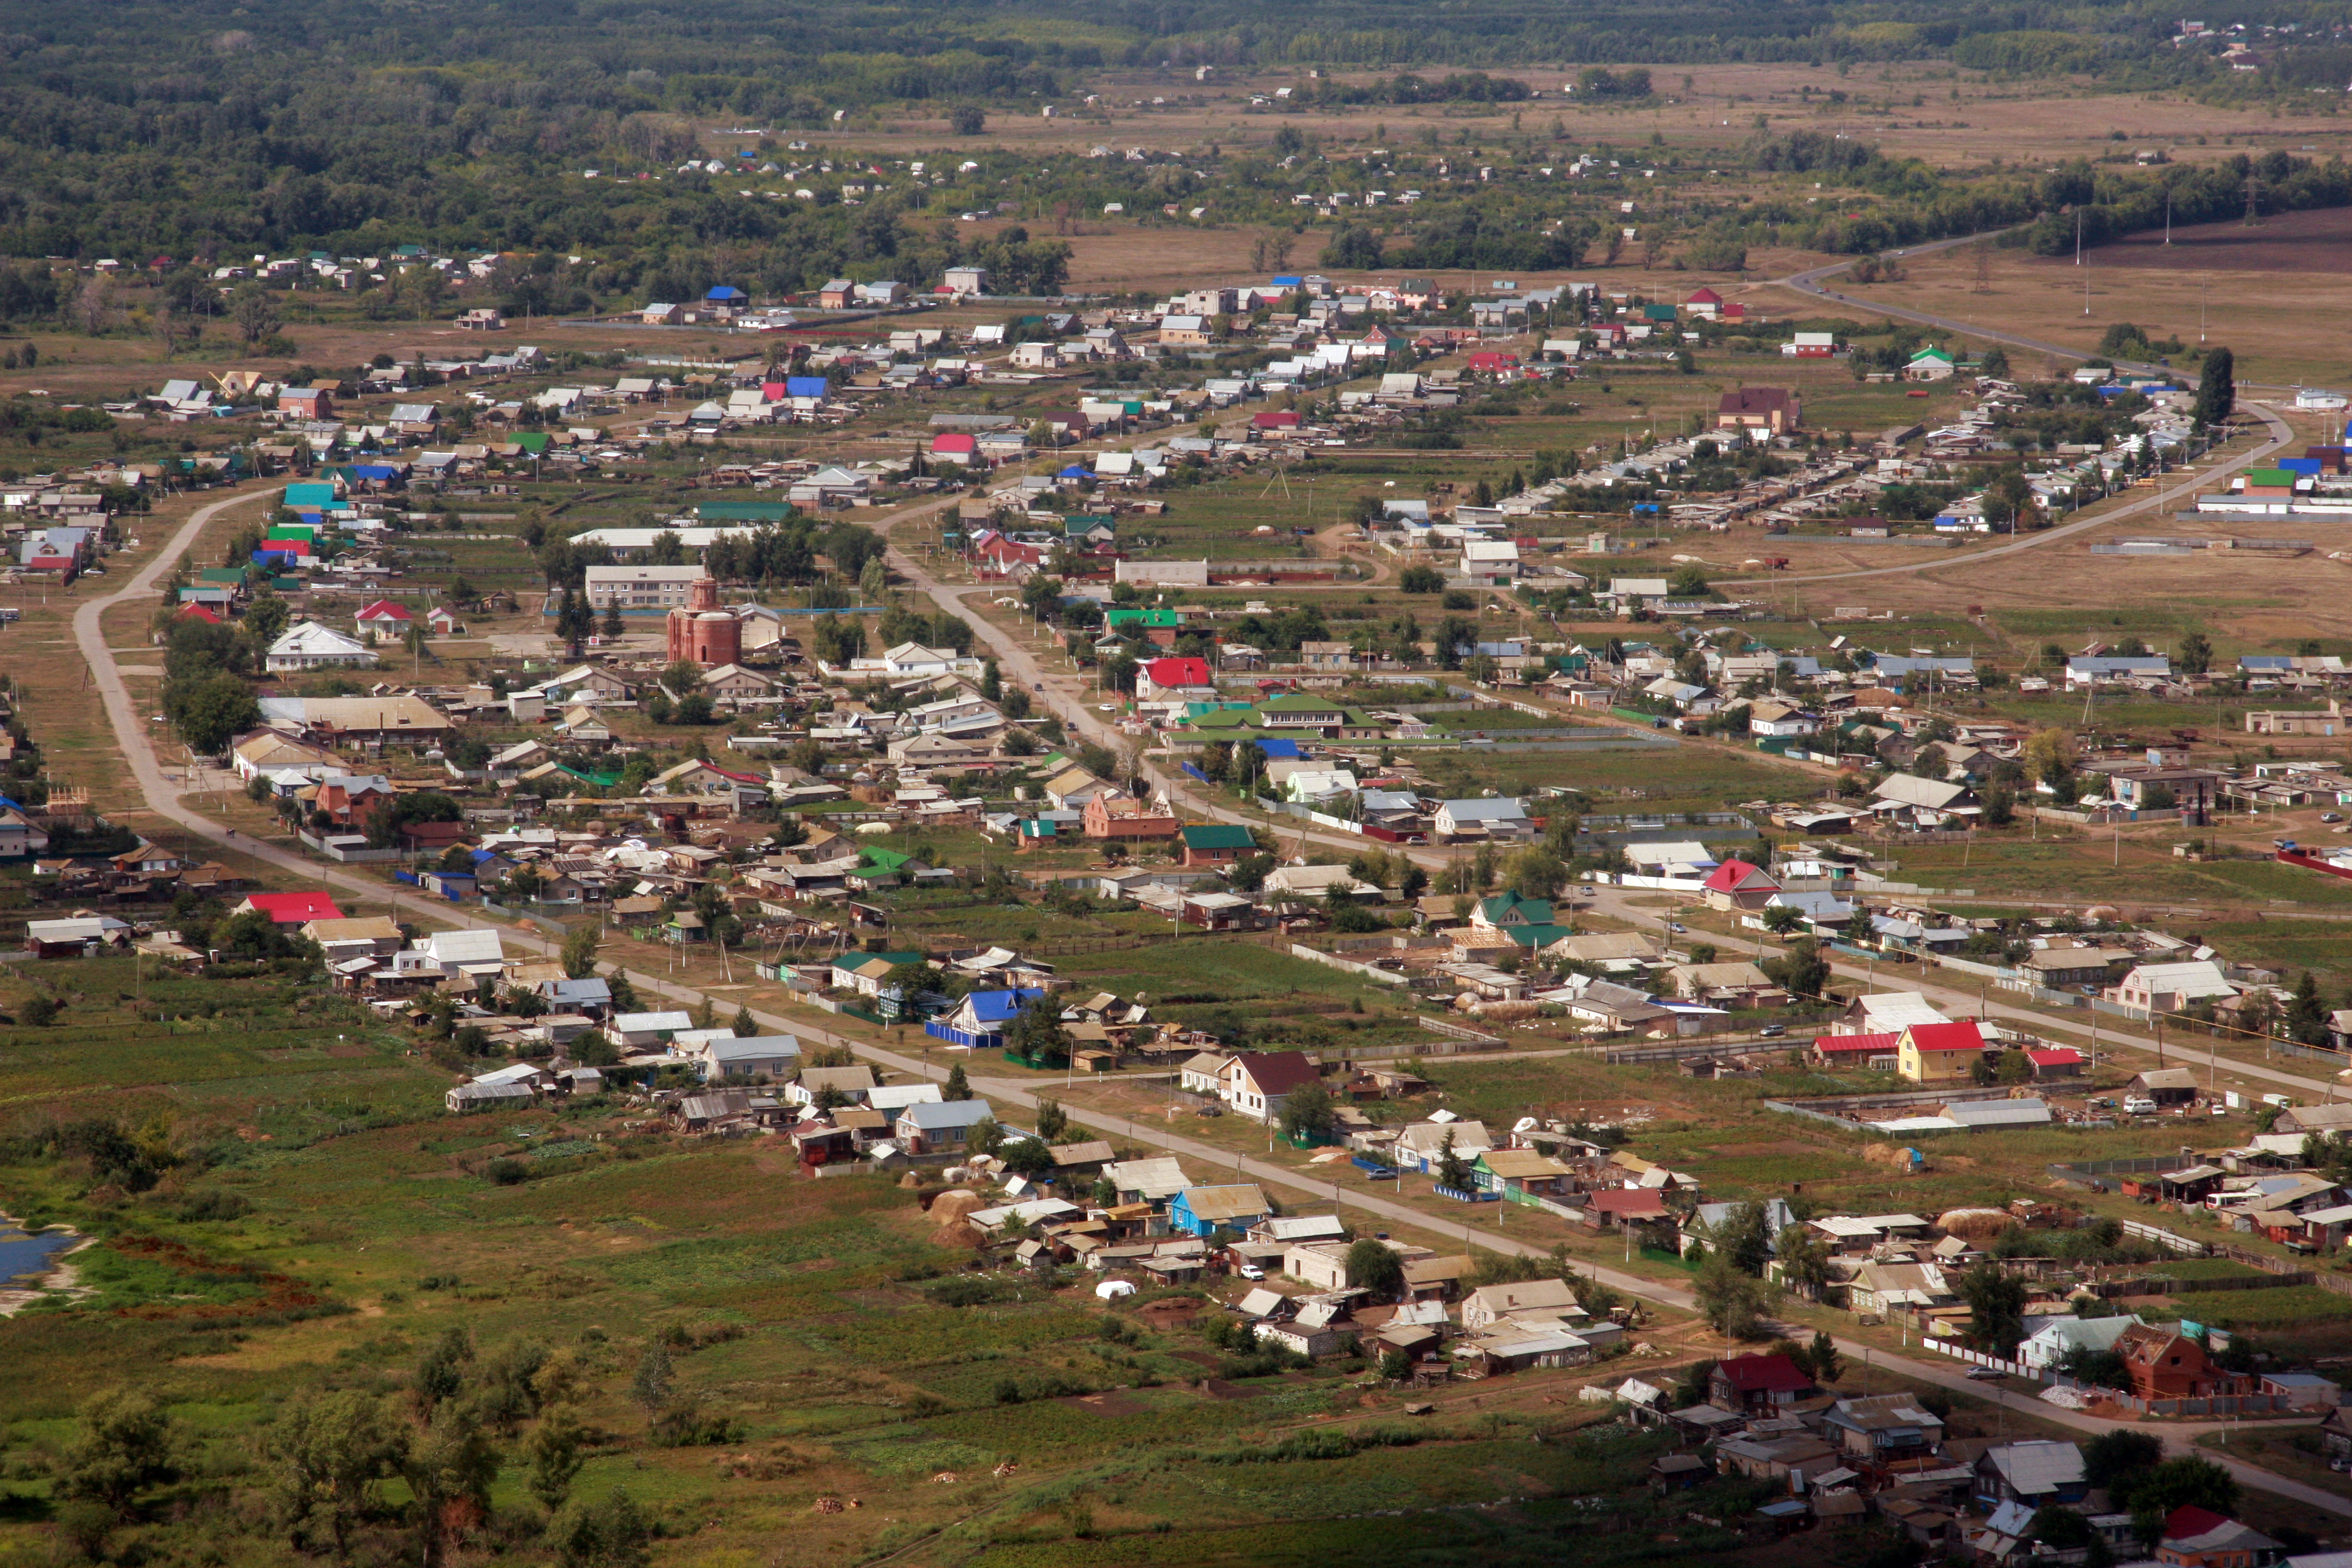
(215, 131)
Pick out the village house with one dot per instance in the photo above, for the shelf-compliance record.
(1758, 1384)
(1939, 1053)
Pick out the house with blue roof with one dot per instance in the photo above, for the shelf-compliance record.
(978, 1021)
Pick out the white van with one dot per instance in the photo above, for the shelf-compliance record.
(2139, 1105)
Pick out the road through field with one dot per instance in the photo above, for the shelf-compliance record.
(1810, 283)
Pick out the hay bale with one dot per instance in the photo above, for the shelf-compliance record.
(962, 1235)
(950, 1208)
(1974, 1224)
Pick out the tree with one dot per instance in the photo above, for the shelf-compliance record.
(553, 1450)
(255, 313)
(1375, 1265)
(1420, 580)
(266, 618)
(2114, 1455)
(2187, 1481)
(958, 1086)
(2064, 1530)
(1031, 1157)
(579, 954)
(1535, 873)
(1801, 971)
(331, 1453)
(613, 1533)
(1735, 1305)
(1307, 1113)
(1052, 1120)
(1823, 1354)
(655, 1379)
(1996, 1301)
(1453, 1170)
(1744, 1236)
(450, 1470)
(968, 119)
(2050, 756)
(1036, 1034)
(124, 1445)
(2196, 654)
(746, 1026)
(1804, 1256)
(1781, 920)
(613, 626)
(211, 711)
(1688, 581)
(2217, 388)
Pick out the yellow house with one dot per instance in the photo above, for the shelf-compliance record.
(1939, 1053)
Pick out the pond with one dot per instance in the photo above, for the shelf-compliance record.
(24, 1259)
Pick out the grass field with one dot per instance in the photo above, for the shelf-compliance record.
(306, 1238)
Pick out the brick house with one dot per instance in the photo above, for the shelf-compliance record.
(1106, 817)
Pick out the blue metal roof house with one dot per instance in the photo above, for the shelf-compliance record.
(978, 1021)
(726, 294)
(1199, 1211)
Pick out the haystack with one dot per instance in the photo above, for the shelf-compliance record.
(1974, 1225)
(961, 1234)
(950, 1206)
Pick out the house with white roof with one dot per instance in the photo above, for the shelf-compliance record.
(2170, 987)
(307, 644)
(1494, 816)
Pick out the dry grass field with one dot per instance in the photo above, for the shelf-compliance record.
(2254, 293)
(1929, 109)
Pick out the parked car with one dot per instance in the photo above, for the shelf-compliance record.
(1984, 1375)
(1773, 1031)
(2139, 1105)
(1250, 1271)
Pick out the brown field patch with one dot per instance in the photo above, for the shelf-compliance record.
(1758, 1150)
(2316, 241)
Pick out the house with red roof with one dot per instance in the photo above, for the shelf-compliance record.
(1758, 1384)
(1940, 1053)
(382, 621)
(196, 612)
(290, 909)
(1002, 557)
(1257, 1083)
(1492, 362)
(1624, 1206)
(956, 445)
(1172, 679)
(1706, 303)
(1840, 1052)
(2199, 1538)
(1738, 885)
(2057, 1062)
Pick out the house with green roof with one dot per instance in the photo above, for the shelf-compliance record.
(1930, 365)
(1216, 843)
(1158, 627)
(1503, 911)
(1300, 710)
